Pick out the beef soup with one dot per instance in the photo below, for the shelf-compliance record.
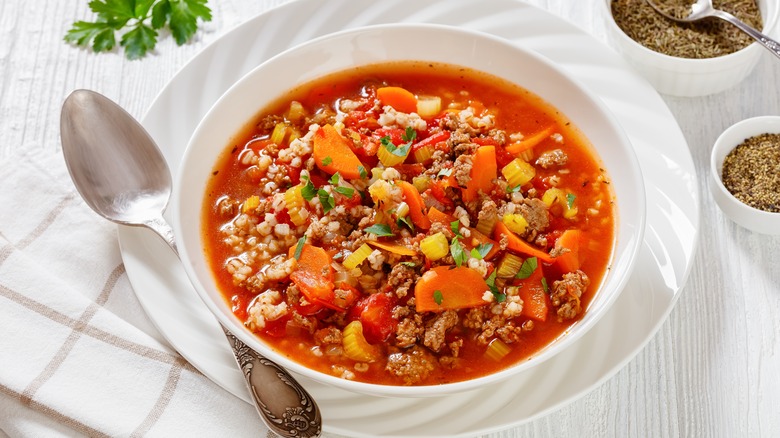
(409, 224)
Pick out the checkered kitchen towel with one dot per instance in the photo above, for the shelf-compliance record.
(77, 354)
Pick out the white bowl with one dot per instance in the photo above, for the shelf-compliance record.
(751, 218)
(377, 44)
(691, 77)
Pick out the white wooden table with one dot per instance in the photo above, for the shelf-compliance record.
(712, 369)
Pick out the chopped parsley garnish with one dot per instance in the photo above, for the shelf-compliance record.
(380, 230)
(401, 221)
(335, 179)
(456, 249)
(527, 268)
(326, 200)
(481, 250)
(438, 297)
(362, 172)
(409, 135)
(455, 227)
(308, 191)
(570, 200)
(491, 282)
(299, 247)
(400, 151)
(143, 19)
(346, 191)
(326, 161)
(409, 264)
(510, 189)
(544, 285)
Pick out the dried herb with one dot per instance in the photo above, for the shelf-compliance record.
(751, 172)
(707, 38)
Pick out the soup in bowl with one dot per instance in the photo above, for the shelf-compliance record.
(408, 220)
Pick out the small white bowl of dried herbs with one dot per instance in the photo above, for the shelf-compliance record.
(692, 59)
(745, 173)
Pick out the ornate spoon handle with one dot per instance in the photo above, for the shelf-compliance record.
(772, 45)
(287, 408)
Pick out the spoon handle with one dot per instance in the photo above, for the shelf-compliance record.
(772, 45)
(287, 408)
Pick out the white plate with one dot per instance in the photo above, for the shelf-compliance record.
(662, 268)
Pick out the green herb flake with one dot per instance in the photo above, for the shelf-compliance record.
(544, 285)
(381, 230)
(299, 247)
(409, 264)
(335, 178)
(491, 282)
(400, 151)
(455, 227)
(570, 200)
(139, 20)
(326, 161)
(308, 191)
(458, 254)
(481, 250)
(438, 297)
(527, 268)
(510, 189)
(409, 135)
(401, 221)
(326, 200)
(362, 172)
(346, 191)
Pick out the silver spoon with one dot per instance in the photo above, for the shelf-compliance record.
(121, 174)
(703, 9)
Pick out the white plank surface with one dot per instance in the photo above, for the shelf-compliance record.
(712, 370)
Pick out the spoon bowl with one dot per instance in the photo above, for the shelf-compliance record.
(703, 9)
(122, 175)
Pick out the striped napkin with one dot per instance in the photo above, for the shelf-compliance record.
(78, 356)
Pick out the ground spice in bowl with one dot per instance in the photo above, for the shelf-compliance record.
(751, 172)
(708, 38)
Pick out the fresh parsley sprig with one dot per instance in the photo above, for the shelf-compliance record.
(138, 22)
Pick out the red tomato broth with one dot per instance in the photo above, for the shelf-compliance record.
(515, 109)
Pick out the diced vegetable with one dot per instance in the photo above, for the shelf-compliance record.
(375, 313)
(515, 243)
(571, 240)
(355, 345)
(391, 155)
(486, 224)
(293, 199)
(423, 154)
(332, 153)
(483, 173)
(314, 275)
(436, 215)
(509, 266)
(518, 172)
(416, 206)
(250, 204)
(476, 238)
(457, 287)
(296, 112)
(497, 349)
(398, 98)
(428, 106)
(354, 260)
(515, 222)
(435, 246)
(556, 196)
(395, 248)
(421, 183)
(531, 291)
(529, 142)
(279, 133)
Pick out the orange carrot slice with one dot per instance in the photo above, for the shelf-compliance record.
(569, 261)
(395, 248)
(399, 98)
(436, 215)
(483, 172)
(447, 287)
(416, 205)
(515, 243)
(530, 141)
(332, 153)
(314, 275)
(534, 299)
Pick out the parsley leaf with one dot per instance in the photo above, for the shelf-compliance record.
(438, 297)
(326, 161)
(346, 191)
(409, 264)
(409, 135)
(456, 249)
(510, 189)
(380, 230)
(405, 221)
(544, 285)
(138, 22)
(527, 268)
(491, 282)
(481, 250)
(400, 151)
(335, 179)
(299, 247)
(326, 200)
(362, 171)
(308, 191)
(570, 200)
(455, 227)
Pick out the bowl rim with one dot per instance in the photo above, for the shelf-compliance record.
(718, 61)
(727, 141)
(616, 281)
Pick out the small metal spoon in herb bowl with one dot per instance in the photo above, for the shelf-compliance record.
(121, 174)
(704, 9)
